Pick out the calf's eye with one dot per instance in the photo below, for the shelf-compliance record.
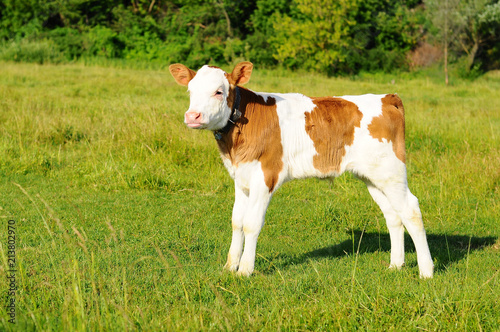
(218, 93)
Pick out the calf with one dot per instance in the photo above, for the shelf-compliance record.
(266, 139)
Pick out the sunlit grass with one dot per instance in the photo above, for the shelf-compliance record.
(123, 214)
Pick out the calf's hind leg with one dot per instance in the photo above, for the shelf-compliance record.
(394, 224)
(400, 207)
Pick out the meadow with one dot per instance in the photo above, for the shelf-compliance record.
(122, 214)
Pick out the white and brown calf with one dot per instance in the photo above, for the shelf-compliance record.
(266, 139)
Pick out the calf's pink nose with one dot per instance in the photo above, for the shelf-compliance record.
(192, 117)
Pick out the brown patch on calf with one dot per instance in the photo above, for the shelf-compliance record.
(391, 125)
(331, 128)
(231, 97)
(241, 73)
(256, 135)
(181, 73)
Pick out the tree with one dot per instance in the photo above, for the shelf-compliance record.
(448, 24)
(482, 27)
(319, 35)
(261, 27)
(346, 36)
(465, 26)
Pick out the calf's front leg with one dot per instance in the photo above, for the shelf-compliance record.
(247, 220)
(239, 209)
(253, 221)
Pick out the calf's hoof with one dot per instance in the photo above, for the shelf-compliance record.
(231, 267)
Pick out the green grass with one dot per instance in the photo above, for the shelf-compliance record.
(123, 214)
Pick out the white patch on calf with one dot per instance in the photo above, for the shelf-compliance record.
(298, 148)
(203, 99)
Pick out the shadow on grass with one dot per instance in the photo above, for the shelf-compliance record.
(445, 249)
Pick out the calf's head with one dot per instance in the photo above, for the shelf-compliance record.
(211, 93)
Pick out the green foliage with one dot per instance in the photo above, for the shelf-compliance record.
(103, 42)
(39, 51)
(261, 48)
(489, 25)
(319, 37)
(347, 36)
(336, 37)
(471, 29)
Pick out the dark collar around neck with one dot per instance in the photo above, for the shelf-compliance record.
(235, 115)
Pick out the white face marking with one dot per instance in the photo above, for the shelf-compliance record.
(209, 90)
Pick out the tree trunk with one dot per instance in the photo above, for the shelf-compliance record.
(446, 13)
(151, 6)
(472, 55)
(446, 63)
(228, 21)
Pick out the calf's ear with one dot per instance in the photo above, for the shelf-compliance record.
(241, 73)
(181, 73)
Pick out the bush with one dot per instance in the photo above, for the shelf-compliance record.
(68, 41)
(468, 73)
(102, 42)
(38, 51)
(424, 55)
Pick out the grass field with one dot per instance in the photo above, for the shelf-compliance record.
(122, 214)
